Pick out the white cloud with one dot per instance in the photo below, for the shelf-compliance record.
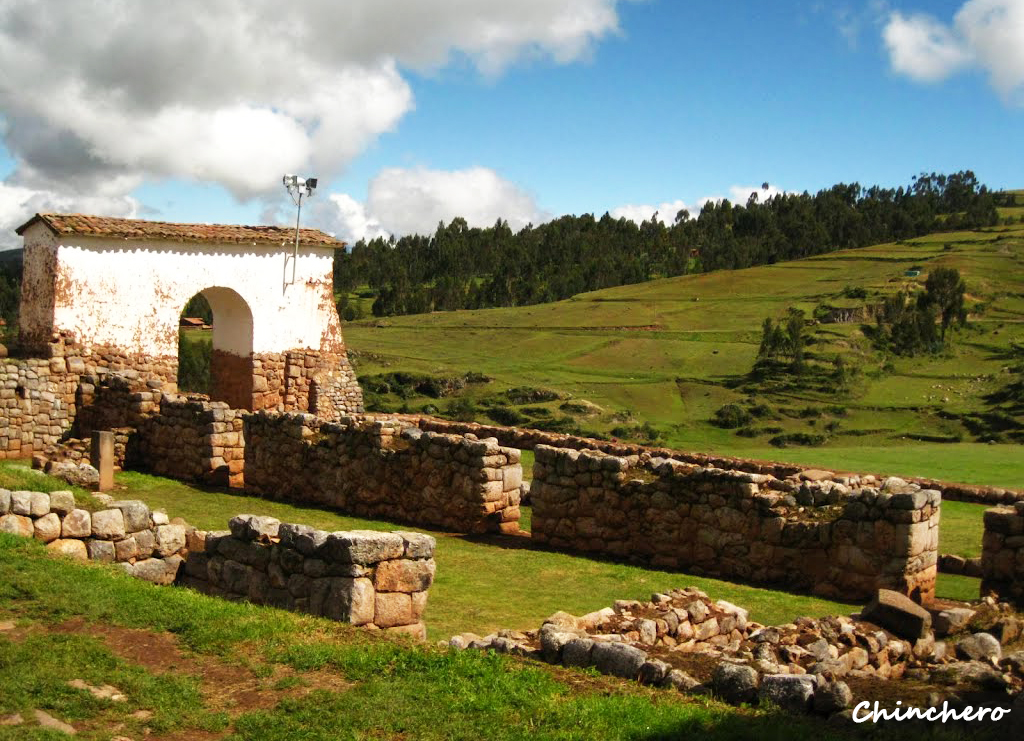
(18, 204)
(666, 212)
(922, 47)
(413, 201)
(103, 96)
(987, 34)
(738, 194)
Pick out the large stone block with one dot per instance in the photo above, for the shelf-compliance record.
(70, 547)
(62, 502)
(404, 575)
(100, 550)
(349, 600)
(417, 545)
(17, 525)
(363, 546)
(108, 524)
(40, 504)
(618, 659)
(21, 503)
(77, 524)
(169, 539)
(47, 528)
(898, 613)
(136, 514)
(392, 608)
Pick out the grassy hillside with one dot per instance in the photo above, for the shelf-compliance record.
(657, 360)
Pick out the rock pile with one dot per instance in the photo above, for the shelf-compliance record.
(684, 640)
(363, 577)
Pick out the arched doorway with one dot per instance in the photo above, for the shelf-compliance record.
(230, 347)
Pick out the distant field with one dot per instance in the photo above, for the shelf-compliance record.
(671, 352)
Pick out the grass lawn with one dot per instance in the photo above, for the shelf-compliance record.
(191, 666)
(487, 583)
(671, 352)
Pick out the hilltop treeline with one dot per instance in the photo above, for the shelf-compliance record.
(460, 267)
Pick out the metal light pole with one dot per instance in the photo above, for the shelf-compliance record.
(297, 187)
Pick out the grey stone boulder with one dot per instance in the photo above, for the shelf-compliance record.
(308, 542)
(898, 613)
(101, 551)
(21, 503)
(157, 570)
(653, 672)
(577, 652)
(169, 539)
(417, 545)
(39, 504)
(831, 696)
(288, 532)
(553, 639)
(952, 620)
(792, 692)
(77, 524)
(364, 547)
(680, 680)
(979, 647)
(108, 524)
(61, 502)
(17, 525)
(735, 683)
(136, 514)
(5, 501)
(618, 659)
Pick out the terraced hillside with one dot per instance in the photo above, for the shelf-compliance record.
(658, 360)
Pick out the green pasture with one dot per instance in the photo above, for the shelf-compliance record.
(671, 352)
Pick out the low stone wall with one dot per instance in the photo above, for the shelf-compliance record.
(817, 536)
(1002, 557)
(366, 578)
(384, 469)
(145, 543)
(527, 439)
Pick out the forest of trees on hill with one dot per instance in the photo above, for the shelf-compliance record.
(459, 267)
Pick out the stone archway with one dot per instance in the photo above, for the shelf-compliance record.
(231, 372)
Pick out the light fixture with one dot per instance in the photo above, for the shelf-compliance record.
(297, 187)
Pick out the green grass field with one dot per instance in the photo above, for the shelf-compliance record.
(487, 583)
(196, 667)
(670, 352)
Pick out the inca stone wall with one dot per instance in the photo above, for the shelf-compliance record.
(144, 543)
(191, 440)
(823, 537)
(361, 577)
(527, 439)
(1002, 557)
(384, 469)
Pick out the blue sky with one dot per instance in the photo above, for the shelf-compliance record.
(646, 105)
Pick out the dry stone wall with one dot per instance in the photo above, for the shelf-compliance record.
(1002, 556)
(817, 536)
(144, 543)
(378, 468)
(527, 439)
(366, 578)
(193, 440)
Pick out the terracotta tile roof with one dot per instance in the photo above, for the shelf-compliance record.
(107, 226)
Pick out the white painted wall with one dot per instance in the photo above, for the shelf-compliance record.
(129, 294)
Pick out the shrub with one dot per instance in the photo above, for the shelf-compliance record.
(194, 365)
(462, 409)
(798, 438)
(505, 416)
(731, 416)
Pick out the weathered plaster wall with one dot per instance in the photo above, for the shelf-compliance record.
(272, 337)
(129, 295)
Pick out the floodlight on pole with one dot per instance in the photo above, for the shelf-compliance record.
(297, 187)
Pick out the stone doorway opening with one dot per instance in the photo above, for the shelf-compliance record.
(217, 354)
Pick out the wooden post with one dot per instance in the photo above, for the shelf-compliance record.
(102, 458)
